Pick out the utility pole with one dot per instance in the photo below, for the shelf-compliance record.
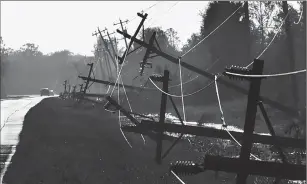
(292, 112)
(74, 91)
(106, 46)
(81, 87)
(103, 56)
(250, 117)
(124, 30)
(89, 75)
(165, 80)
(65, 86)
(110, 40)
(121, 59)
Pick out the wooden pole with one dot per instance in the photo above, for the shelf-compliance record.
(113, 84)
(250, 117)
(135, 34)
(261, 168)
(149, 125)
(148, 51)
(239, 89)
(121, 25)
(65, 86)
(162, 117)
(89, 75)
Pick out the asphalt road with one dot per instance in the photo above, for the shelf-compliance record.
(13, 110)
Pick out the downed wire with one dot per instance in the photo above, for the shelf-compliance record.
(223, 118)
(266, 48)
(269, 75)
(211, 32)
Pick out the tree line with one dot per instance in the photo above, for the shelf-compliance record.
(237, 42)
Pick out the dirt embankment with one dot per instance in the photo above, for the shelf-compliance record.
(64, 144)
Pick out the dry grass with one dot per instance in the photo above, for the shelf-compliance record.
(64, 144)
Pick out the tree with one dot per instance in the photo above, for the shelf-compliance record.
(262, 12)
(173, 38)
(3, 66)
(30, 49)
(226, 43)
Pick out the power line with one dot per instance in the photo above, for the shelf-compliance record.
(269, 75)
(177, 177)
(299, 20)
(181, 89)
(145, 10)
(179, 96)
(163, 13)
(266, 48)
(211, 32)
(223, 118)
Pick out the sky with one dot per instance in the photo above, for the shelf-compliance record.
(59, 25)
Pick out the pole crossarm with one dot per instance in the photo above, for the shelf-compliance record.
(121, 60)
(239, 89)
(148, 125)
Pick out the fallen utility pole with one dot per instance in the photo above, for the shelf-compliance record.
(172, 59)
(91, 95)
(250, 117)
(261, 168)
(147, 125)
(113, 84)
(89, 75)
(161, 122)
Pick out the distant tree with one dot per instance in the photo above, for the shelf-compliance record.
(173, 38)
(30, 49)
(227, 42)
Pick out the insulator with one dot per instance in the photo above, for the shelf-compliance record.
(156, 77)
(186, 168)
(238, 70)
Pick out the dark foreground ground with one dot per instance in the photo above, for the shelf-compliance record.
(64, 144)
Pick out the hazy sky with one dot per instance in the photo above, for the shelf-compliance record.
(58, 25)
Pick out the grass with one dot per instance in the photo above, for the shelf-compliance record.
(60, 143)
(63, 143)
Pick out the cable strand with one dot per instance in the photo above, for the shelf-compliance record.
(223, 118)
(266, 48)
(211, 32)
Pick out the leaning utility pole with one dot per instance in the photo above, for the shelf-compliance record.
(110, 40)
(65, 86)
(124, 30)
(89, 75)
(278, 105)
(121, 59)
